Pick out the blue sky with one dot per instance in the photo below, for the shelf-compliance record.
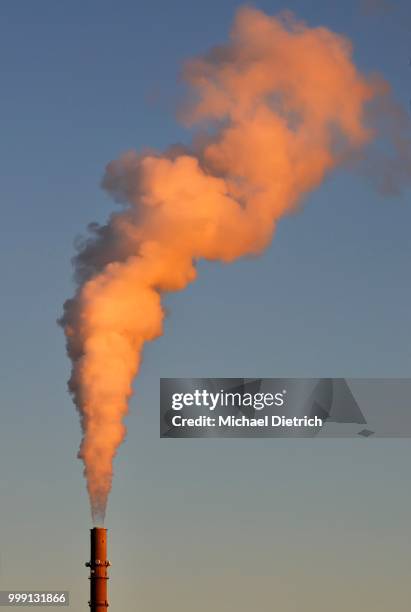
(205, 524)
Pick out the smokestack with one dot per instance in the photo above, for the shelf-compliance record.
(98, 565)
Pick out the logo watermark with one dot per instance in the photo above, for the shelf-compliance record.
(291, 407)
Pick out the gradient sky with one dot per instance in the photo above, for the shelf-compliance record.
(196, 524)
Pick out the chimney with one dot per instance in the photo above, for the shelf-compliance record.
(98, 565)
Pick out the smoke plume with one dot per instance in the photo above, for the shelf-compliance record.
(277, 108)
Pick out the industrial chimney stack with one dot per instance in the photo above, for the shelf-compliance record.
(98, 565)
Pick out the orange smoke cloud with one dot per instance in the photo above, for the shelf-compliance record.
(283, 105)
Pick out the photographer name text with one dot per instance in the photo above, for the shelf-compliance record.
(243, 421)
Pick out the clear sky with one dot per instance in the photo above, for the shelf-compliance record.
(196, 524)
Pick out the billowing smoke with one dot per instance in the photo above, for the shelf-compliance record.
(278, 107)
